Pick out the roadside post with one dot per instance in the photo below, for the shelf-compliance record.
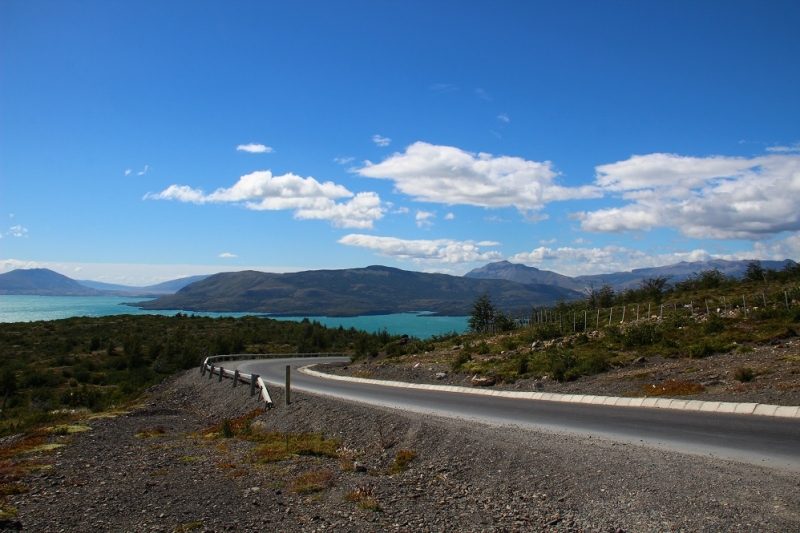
(287, 397)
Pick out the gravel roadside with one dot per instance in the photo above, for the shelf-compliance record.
(466, 477)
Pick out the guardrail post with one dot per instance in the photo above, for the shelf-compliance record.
(287, 397)
(211, 372)
(253, 379)
(203, 369)
(221, 373)
(235, 378)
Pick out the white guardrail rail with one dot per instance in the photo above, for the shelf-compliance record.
(212, 366)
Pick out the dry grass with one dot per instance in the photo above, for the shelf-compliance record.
(236, 427)
(313, 481)
(364, 495)
(279, 446)
(401, 461)
(347, 458)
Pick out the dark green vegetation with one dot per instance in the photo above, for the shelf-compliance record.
(707, 313)
(50, 368)
(373, 290)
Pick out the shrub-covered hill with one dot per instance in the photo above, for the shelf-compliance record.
(97, 363)
(350, 292)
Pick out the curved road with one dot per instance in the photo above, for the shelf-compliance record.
(761, 440)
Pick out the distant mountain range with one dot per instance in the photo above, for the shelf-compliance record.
(167, 287)
(374, 290)
(45, 282)
(618, 280)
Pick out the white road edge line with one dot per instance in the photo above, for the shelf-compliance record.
(762, 409)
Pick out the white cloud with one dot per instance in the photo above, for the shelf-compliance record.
(15, 231)
(143, 171)
(480, 93)
(381, 141)
(579, 261)
(448, 175)
(449, 216)
(400, 211)
(228, 255)
(343, 160)
(307, 197)
(786, 248)
(254, 148)
(712, 197)
(423, 219)
(443, 87)
(784, 149)
(503, 117)
(127, 172)
(424, 251)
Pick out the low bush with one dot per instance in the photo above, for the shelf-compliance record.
(744, 374)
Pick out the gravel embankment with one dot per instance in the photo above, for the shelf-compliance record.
(466, 477)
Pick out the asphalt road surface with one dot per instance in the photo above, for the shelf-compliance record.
(762, 440)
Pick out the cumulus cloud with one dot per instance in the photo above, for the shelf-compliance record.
(423, 219)
(254, 148)
(439, 251)
(228, 255)
(307, 197)
(448, 175)
(143, 171)
(127, 172)
(343, 160)
(578, 261)
(381, 141)
(449, 216)
(712, 197)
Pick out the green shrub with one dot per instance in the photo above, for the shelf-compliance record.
(462, 358)
(560, 362)
(545, 332)
(707, 347)
(641, 334)
(744, 374)
(714, 325)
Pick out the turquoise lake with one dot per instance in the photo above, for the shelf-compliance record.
(24, 308)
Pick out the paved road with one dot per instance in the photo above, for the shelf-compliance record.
(762, 440)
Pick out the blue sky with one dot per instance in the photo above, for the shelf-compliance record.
(143, 141)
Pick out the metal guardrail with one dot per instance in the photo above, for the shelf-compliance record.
(254, 380)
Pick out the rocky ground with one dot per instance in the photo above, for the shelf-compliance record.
(153, 469)
(775, 366)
